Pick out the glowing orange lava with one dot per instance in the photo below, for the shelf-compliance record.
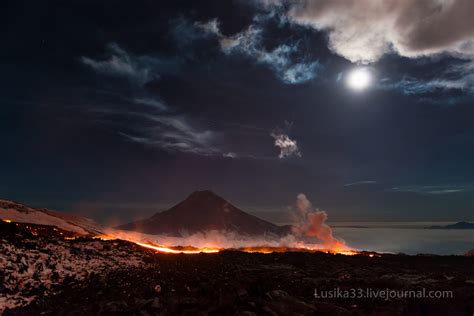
(172, 250)
(300, 247)
(336, 248)
(105, 237)
(345, 251)
(264, 249)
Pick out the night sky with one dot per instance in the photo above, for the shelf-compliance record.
(118, 109)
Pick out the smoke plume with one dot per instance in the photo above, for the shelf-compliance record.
(310, 222)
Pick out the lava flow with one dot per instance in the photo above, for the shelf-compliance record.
(263, 249)
(178, 249)
(186, 250)
(200, 243)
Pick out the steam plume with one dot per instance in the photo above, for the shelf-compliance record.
(311, 222)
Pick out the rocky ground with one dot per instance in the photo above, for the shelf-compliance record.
(48, 276)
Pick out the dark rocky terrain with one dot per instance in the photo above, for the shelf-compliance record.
(204, 211)
(47, 275)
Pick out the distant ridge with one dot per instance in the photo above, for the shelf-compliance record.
(17, 212)
(458, 225)
(203, 211)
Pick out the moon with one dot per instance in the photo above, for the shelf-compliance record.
(359, 79)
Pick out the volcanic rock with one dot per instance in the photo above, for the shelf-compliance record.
(119, 278)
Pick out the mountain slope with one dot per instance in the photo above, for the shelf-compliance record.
(203, 211)
(16, 212)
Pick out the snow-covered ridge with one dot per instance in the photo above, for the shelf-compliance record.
(16, 212)
(32, 268)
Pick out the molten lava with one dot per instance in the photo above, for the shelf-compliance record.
(186, 250)
(218, 247)
(263, 249)
(214, 242)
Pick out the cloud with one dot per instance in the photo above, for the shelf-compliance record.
(364, 30)
(174, 134)
(456, 77)
(229, 155)
(410, 85)
(287, 146)
(357, 183)
(282, 60)
(140, 69)
(209, 27)
(153, 125)
(433, 189)
(145, 118)
(152, 102)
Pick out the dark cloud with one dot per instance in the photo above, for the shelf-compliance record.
(365, 30)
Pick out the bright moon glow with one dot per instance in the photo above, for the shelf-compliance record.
(359, 79)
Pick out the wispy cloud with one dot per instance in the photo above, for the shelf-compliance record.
(283, 59)
(357, 183)
(433, 189)
(459, 76)
(152, 125)
(230, 155)
(209, 27)
(152, 102)
(175, 134)
(138, 69)
(414, 86)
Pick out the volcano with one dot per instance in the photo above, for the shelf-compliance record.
(203, 211)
